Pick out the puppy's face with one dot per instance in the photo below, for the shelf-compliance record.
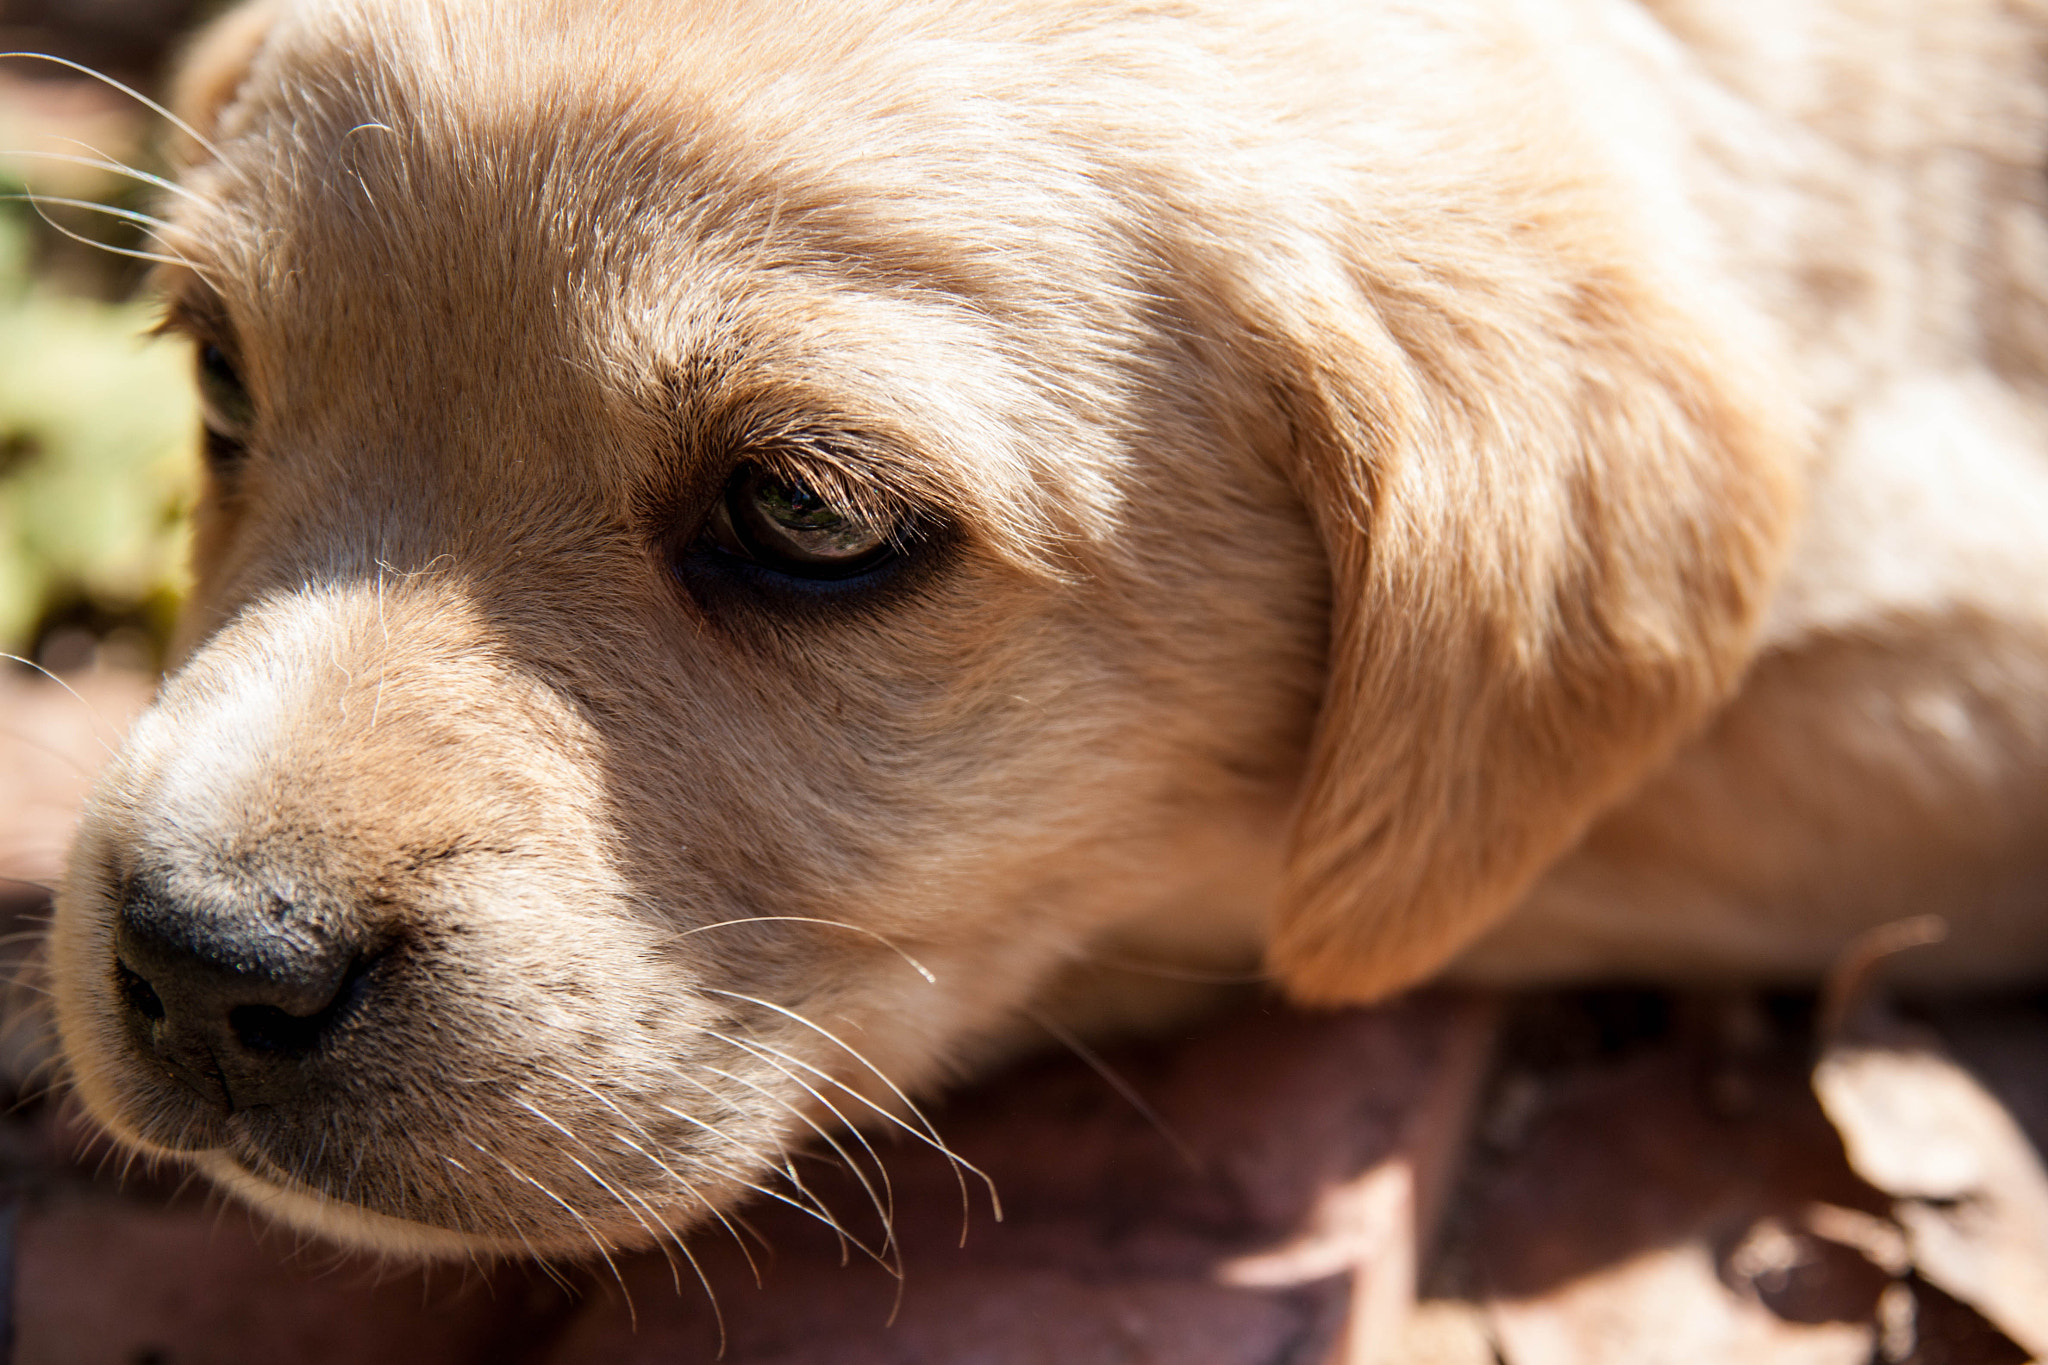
(687, 638)
(734, 551)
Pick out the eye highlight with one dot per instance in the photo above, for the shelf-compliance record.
(783, 524)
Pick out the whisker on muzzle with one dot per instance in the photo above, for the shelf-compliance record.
(816, 1208)
(596, 1242)
(884, 1202)
(923, 1131)
(688, 1186)
(880, 938)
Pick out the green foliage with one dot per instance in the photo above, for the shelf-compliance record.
(97, 432)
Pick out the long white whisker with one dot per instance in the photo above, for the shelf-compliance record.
(101, 161)
(145, 101)
(931, 1140)
(927, 1135)
(760, 1238)
(1117, 1083)
(887, 1211)
(746, 1252)
(631, 1311)
(532, 1252)
(815, 1209)
(79, 237)
(533, 1255)
(688, 1186)
(676, 1275)
(148, 220)
(90, 709)
(717, 1315)
(886, 942)
(885, 1200)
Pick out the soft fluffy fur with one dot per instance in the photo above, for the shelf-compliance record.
(1401, 461)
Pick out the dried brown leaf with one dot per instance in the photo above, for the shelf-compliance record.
(1666, 1307)
(1972, 1194)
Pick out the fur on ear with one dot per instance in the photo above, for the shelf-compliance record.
(1553, 500)
(212, 67)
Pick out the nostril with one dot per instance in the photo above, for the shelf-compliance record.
(266, 1028)
(140, 995)
(269, 1028)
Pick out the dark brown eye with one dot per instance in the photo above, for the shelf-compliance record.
(226, 407)
(786, 525)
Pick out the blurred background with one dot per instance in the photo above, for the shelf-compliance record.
(97, 420)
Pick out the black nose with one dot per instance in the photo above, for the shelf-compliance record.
(233, 990)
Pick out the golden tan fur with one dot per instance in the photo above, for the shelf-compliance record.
(1376, 443)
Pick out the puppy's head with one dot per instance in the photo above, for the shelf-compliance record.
(734, 550)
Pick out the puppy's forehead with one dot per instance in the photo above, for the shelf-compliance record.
(434, 200)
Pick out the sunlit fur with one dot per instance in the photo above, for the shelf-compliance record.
(1374, 439)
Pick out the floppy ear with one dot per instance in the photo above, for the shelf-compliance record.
(1553, 506)
(211, 69)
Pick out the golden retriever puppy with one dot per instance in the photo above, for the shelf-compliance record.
(746, 545)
